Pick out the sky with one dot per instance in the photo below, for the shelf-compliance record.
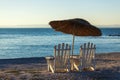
(18, 13)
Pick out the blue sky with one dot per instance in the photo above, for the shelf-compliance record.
(40, 12)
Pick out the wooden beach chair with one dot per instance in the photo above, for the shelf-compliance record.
(61, 60)
(86, 61)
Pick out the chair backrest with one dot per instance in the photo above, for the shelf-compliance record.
(62, 56)
(87, 55)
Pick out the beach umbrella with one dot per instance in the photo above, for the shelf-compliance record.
(76, 27)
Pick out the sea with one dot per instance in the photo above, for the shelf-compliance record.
(40, 42)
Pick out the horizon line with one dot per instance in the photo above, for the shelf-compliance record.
(48, 26)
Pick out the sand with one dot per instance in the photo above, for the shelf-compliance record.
(107, 68)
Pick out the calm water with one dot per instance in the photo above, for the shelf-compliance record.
(38, 42)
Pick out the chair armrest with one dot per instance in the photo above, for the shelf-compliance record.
(49, 58)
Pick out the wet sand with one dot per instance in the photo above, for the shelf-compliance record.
(107, 68)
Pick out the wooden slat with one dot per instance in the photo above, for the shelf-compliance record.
(88, 50)
(65, 54)
(55, 58)
(58, 62)
(62, 55)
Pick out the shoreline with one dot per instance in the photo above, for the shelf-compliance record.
(46, 56)
(23, 60)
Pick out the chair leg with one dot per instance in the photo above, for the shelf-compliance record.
(76, 67)
(72, 65)
(52, 70)
(48, 67)
(68, 66)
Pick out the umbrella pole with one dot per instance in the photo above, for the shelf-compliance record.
(73, 45)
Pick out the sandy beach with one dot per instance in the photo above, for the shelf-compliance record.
(107, 68)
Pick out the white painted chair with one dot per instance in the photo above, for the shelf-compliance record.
(86, 61)
(61, 60)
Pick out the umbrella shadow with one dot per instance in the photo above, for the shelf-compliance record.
(105, 74)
